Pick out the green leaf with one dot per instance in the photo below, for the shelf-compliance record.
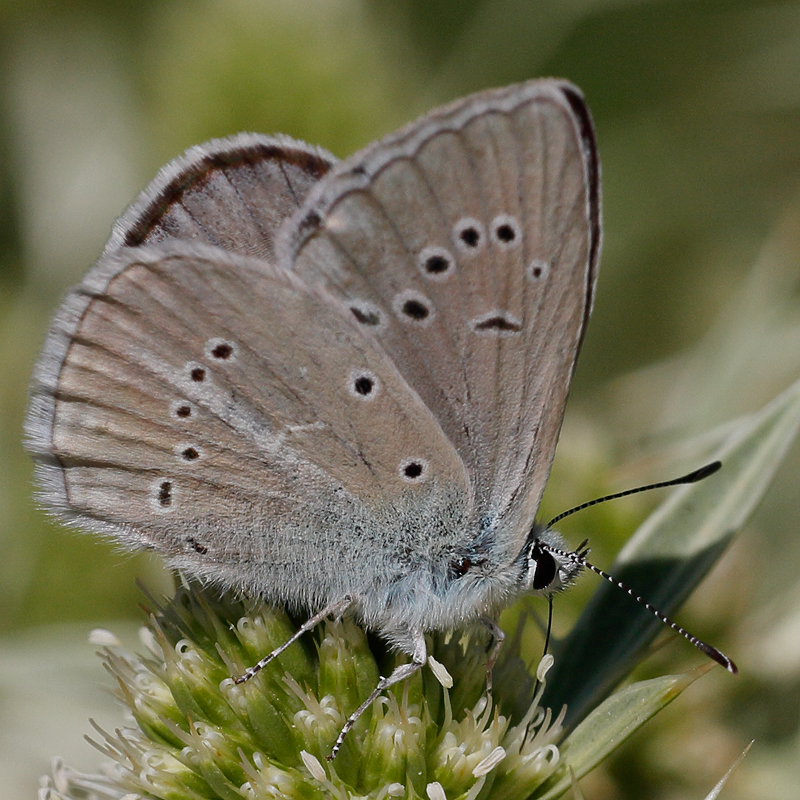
(720, 785)
(610, 724)
(668, 556)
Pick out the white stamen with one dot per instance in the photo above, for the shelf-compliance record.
(544, 667)
(440, 672)
(103, 638)
(490, 762)
(313, 766)
(435, 791)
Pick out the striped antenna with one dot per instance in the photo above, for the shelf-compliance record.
(579, 557)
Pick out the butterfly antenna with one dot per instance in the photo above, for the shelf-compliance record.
(579, 557)
(692, 477)
(711, 652)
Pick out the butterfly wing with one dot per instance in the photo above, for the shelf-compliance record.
(468, 244)
(402, 376)
(233, 193)
(214, 408)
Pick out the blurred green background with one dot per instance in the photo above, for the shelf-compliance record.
(697, 318)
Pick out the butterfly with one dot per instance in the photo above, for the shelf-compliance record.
(338, 385)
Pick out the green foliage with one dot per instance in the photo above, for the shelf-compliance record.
(696, 106)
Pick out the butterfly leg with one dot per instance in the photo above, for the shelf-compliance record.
(418, 659)
(498, 637)
(336, 609)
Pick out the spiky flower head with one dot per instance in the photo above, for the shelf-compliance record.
(193, 733)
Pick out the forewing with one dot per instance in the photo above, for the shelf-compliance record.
(203, 404)
(233, 193)
(468, 243)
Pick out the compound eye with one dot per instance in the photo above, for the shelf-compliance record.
(544, 568)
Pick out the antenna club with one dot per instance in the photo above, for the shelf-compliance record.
(692, 477)
(719, 657)
(703, 472)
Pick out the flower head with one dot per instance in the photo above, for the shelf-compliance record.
(193, 733)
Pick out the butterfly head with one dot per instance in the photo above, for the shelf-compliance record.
(549, 566)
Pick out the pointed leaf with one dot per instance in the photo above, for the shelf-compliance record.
(611, 723)
(668, 556)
